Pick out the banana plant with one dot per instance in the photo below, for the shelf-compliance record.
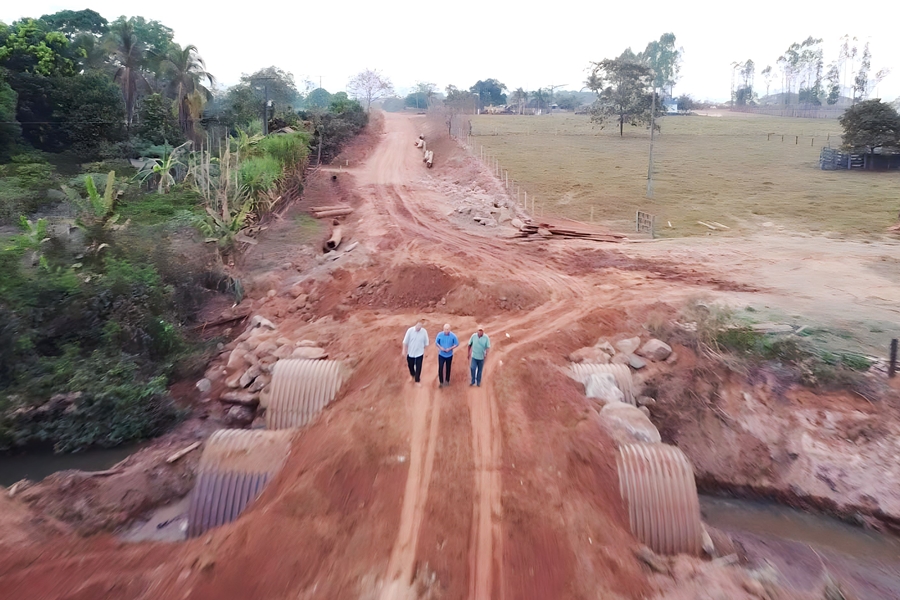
(97, 213)
(171, 161)
(33, 238)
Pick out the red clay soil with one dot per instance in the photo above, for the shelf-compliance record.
(508, 490)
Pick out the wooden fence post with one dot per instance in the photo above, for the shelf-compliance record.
(892, 367)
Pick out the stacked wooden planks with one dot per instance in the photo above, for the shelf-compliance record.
(534, 230)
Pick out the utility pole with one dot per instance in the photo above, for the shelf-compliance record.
(551, 88)
(652, 131)
(265, 124)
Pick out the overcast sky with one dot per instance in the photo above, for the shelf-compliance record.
(520, 43)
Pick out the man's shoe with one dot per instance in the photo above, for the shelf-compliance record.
(472, 384)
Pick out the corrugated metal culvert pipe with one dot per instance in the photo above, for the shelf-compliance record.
(300, 389)
(234, 469)
(656, 482)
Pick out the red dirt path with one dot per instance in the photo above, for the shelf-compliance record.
(506, 491)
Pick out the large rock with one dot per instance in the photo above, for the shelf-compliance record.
(590, 354)
(309, 353)
(249, 375)
(242, 398)
(627, 424)
(628, 346)
(602, 387)
(636, 362)
(655, 350)
(239, 416)
(259, 383)
(606, 347)
(260, 321)
(283, 352)
(267, 347)
(307, 344)
(237, 359)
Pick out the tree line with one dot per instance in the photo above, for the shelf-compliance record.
(74, 81)
(803, 75)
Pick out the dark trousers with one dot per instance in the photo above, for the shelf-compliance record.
(415, 367)
(444, 363)
(476, 369)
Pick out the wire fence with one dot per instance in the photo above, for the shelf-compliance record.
(514, 189)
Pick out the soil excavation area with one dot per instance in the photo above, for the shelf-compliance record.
(509, 490)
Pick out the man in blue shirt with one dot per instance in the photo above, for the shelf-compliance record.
(446, 342)
(479, 346)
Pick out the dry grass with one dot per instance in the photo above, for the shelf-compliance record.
(723, 169)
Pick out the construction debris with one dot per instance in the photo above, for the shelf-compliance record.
(545, 230)
(182, 452)
(332, 212)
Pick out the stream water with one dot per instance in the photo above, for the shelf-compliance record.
(37, 465)
(802, 545)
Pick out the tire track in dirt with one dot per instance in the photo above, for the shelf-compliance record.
(425, 408)
(485, 542)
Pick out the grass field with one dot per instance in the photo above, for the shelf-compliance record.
(726, 169)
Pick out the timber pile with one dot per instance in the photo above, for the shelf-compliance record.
(337, 210)
(535, 231)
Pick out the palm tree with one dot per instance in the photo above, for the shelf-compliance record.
(520, 97)
(186, 71)
(539, 97)
(128, 57)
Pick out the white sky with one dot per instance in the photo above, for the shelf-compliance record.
(521, 44)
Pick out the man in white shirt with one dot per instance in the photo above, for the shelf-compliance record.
(414, 343)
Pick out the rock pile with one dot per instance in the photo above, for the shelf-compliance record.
(475, 203)
(248, 367)
(605, 371)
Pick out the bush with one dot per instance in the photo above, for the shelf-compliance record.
(259, 174)
(99, 400)
(290, 149)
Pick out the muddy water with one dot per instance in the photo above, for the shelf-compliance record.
(799, 545)
(38, 465)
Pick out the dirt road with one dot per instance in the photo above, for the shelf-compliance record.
(398, 490)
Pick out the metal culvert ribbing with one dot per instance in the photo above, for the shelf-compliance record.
(300, 389)
(234, 469)
(656, 482)
(622, 373)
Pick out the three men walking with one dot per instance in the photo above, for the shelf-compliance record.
(414, 343)
(446, 342)
(479, 346)
(416, 340)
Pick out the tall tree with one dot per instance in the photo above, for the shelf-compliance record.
(27, 46)
(871, 124)
(154, 38)
(624, 89)
(833, 77)
(76, 22)
(369, 85)
(489, 92)
(664, 59)
(861, 81)
(128, 60)
(768, 76)
(520, 97)
(186, 73)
